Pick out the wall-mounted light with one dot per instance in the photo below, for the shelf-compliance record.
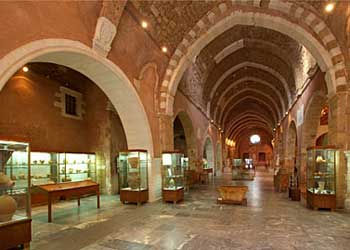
(329, 7)
(25, 69)
(144, 24)
(164, 49)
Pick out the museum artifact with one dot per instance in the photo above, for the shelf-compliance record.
(321, 169)
(173, 166)
(133, 176)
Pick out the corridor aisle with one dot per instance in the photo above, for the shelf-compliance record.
(270, 221)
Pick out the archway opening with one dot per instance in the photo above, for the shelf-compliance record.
(208, 154)
(184, 137)
(106, 75)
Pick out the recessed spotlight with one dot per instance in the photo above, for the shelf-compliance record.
(144, 24)
(329, 7)
(287, 113)
(25, 69)
(164, 49)
(211, 121)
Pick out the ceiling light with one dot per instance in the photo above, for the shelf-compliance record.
(164, 49)
(144, 24)
(212, 121)
(287, 113)
(329, 7)
(25, 69)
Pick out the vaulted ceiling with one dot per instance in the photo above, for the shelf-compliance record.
(246, 78)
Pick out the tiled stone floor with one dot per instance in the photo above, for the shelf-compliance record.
(269, 221)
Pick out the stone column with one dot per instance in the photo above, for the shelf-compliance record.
(338, 136)
(347, 195)
(166, 132)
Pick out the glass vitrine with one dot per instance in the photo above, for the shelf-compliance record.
(76, 167)
(133, 176)
(321, 169)
(173, 166)
(14, 194)
(173, 170)
(44, 168)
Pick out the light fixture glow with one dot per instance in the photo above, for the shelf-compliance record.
(25, 69)
(144, 24)
(329, 7)
(255, 139)
(164, 49)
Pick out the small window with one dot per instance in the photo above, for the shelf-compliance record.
(71, 105)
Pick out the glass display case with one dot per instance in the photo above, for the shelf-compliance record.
(133, 176)
(173, 165)
(76, 167)
(44, 168)
(14, 194)
(321, 167)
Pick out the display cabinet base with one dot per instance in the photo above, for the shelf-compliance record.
(173, 195)
(325, 201)
(130, 196)
(16, 233)
(294, 193)
(243, 202)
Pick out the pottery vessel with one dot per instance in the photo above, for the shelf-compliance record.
(134, 162)
(5, 181)
(8, 207)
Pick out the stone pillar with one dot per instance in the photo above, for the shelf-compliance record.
(347, 196)
(338, 136)
(166, 132)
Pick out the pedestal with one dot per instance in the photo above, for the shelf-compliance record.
(173, 195)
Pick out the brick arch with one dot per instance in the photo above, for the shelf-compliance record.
(245, 119)
(226, 103)
(251, 79)
(190, 135)
(252, 115)
(105, 74)
(309, 128)
(224, 117)
(285, 17)
(290, 155)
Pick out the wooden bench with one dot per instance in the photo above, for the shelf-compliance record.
(232, 195)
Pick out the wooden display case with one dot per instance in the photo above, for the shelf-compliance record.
(321, 167)
(173, 166)
(133, 176)
(15, 209)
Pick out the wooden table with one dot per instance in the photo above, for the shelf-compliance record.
(15, 232)
(69, 189)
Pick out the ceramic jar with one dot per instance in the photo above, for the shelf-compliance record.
(8, 207)
(5, 181)
(133, 161)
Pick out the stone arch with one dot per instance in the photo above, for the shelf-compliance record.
(309, 128)
(105, 74)
(290, 156)
(151, 66)
(257, 80)
(292, 20)
(190, 136)
(218, 164)
(227, 102)
(208, 152)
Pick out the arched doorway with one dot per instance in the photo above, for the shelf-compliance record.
(218, 165)
(291, 148)
(105, 74)
(208, 153)
(310, 128)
